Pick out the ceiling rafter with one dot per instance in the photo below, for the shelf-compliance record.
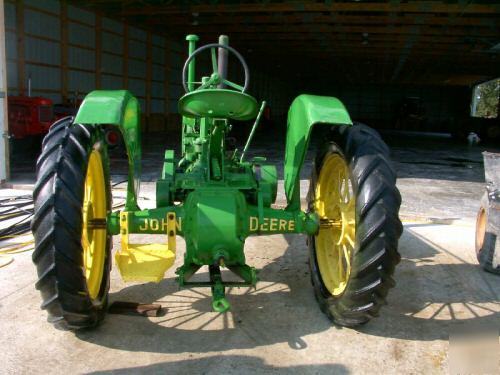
(347, 6)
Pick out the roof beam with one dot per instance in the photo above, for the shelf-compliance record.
(332, 29)
(413, 7)
(348, 19)
(353, 38)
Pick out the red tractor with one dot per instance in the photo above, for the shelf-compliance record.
(29, 116)
(32, 116)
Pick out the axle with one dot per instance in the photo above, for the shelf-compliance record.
(272, 221)
(203, 245)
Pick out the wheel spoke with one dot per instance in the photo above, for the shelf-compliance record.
(340, 182)
(349, 238)
(346, 256)
(347, 193)
(340, 265)
(233, 85)
(214, 60)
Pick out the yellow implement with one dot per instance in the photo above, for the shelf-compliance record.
(145, 262)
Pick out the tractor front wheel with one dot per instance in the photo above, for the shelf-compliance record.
(354, 254)
(72, 198)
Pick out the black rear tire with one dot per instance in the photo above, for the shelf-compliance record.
(57, 226)
(378, 227)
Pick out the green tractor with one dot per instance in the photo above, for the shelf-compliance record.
(214, 198)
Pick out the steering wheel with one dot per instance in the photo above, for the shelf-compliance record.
(215, 77)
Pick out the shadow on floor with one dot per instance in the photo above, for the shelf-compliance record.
(431, 300)
(237, 364)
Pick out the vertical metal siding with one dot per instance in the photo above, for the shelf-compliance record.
(42, 51)
(158, 40)
(81, 15)
(44, 25)
(137, 49)
(111, 82)
(158, 72)
(112, 43)
(137, 33)
(157, 89)
(81, 58)
(111, 64)
(10, 15)
(137, 69)
(81, 34)
(10, 45)
(112, 25)
(157, 106)
(12, 77)
(37, 23)
(137, 87)
(48, 5)
(43, 77)
(81, 82)
(158, 55)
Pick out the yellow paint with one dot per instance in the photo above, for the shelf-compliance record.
(144, 226)
(159, 225)
(254, 223)
(282, 226)
(94, 239)
(274, 224)
(335, 202)
(264, 227)
(271, 225)
(146, 262)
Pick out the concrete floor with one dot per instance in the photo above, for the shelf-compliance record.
(278, 327)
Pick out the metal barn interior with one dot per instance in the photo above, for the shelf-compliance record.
(405, 65)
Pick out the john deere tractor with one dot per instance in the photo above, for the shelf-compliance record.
(214, 198)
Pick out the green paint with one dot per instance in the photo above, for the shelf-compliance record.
(118, 107)
(218, 103)
(219, 198)
(305, 112)
(252, 132)
(192, 39)
(273, 221)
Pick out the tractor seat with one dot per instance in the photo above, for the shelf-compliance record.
(219, 103)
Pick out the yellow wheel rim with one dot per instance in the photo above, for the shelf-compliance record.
(94, 212)
(335, 205)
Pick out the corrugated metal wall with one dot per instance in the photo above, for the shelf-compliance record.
(68, 51)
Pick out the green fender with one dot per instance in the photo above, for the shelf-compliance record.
(121, 108)
(305, 112)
